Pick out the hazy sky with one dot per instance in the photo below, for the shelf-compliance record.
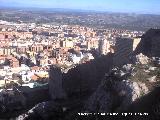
(142, 6)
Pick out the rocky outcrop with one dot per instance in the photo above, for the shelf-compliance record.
(14, 102)
(114, 93)
(42, 111)
(142, 59)
(150, 43)
(149, 103)
(11, 100)
(100, 101)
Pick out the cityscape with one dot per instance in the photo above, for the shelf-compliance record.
(65, 63)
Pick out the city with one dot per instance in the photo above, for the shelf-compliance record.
(56, 63)
(27, 50)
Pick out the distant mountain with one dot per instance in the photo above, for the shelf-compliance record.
(95, 19)
(47, 9)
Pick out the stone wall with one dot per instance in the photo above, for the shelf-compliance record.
(150, 43)
(86, 77)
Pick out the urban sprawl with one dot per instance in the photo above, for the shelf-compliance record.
(27, 50)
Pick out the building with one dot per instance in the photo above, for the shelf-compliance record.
(22, 49)
(5, 36)
(92, 43)
(67, 44)
(7, 50)
(76, 58)
(36, 48)
(104, 46)
(10, 61)
(13, 62)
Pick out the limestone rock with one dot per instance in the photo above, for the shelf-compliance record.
(114, 94)
(142, 59)
(42, 111)
(131, 92)
(152, 68)
(152, 79)
(127, 68)
(100, 101)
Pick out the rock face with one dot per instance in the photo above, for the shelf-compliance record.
(149, 103)
(55, 84)
(130, 91)
(100, 101)
(115, 94)
(150, 43)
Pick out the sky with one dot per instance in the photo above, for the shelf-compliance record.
(133, 6)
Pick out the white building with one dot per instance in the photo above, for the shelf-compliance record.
(76, 58)
(104, 46)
